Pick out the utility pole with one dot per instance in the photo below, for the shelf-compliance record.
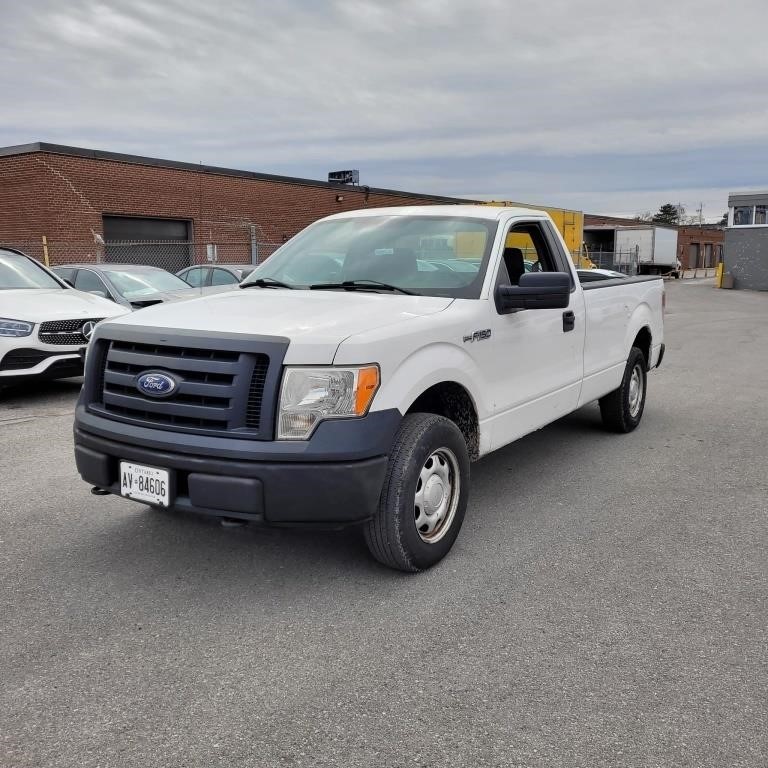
(701, 211)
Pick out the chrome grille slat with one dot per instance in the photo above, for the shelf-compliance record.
(222, 391)
(147, 361)
(169, 407)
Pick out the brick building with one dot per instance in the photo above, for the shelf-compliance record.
(700, 246)
(93, 205)
(697, 246)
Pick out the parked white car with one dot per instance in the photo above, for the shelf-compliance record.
(351, 381)
(44, 324)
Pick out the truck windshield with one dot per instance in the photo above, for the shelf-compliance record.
(425, 255)
(17, 271)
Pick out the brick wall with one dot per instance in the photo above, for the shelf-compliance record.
(27, 203)
(702, 236)
(64, 198)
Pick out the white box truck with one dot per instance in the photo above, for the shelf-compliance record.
(653, 249)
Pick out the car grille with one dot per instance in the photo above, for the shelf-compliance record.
(219, 390)
(65, 331)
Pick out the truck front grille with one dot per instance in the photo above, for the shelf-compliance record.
(65, 331)
(219, 390)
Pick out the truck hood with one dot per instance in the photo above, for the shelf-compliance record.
(37, 305)
(315, 322)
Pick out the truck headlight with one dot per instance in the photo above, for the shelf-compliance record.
(309, 395)
(15, 328)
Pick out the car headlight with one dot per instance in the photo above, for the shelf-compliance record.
(15, 328)
(309, 395)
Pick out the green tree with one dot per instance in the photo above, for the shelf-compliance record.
(668, 213)
(724, 221)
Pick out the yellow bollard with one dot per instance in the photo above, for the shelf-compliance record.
(719, 275)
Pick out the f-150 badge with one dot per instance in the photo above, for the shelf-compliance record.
(479, 336)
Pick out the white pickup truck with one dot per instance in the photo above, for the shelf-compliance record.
(360, 370)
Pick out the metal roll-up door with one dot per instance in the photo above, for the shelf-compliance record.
(164, 243)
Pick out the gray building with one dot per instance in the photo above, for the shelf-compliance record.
(746, 240)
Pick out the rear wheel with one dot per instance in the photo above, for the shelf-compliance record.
(424, 497)
(622, 409)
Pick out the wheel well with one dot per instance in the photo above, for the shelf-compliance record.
(451, 400)
(643, 342)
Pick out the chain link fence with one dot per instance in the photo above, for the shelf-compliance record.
(169, 255)
(618, 261)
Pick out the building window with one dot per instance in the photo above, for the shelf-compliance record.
(742, 215)
(760, 214)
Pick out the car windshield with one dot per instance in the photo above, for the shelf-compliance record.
(139, 283)
(17, 271)
(426, 255)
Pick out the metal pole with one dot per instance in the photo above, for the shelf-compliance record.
(254, 246)
(45, 251)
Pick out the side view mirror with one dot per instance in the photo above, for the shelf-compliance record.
(536, 290)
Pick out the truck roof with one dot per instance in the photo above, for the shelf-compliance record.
(488, 212)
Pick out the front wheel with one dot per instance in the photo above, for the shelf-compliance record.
(424, 497)
(622, 409)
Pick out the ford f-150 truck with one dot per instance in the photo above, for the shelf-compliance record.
(358, 371)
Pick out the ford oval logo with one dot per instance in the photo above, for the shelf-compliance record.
(156, 384)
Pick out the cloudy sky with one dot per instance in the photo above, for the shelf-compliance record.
(612, 107)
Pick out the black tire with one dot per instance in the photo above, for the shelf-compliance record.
(623, 408)
(392, 535)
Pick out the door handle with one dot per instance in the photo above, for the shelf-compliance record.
(569, 321)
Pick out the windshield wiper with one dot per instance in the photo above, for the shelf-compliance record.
(266, 282)
(361, 285)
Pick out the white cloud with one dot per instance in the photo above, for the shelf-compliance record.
(270, 85)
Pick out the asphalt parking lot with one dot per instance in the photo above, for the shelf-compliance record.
(606, 603)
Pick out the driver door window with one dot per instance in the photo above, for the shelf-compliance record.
(525, 250)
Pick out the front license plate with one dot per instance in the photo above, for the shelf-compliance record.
(143, 483)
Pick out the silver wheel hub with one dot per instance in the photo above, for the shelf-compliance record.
(635, 391)
(437, 495)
